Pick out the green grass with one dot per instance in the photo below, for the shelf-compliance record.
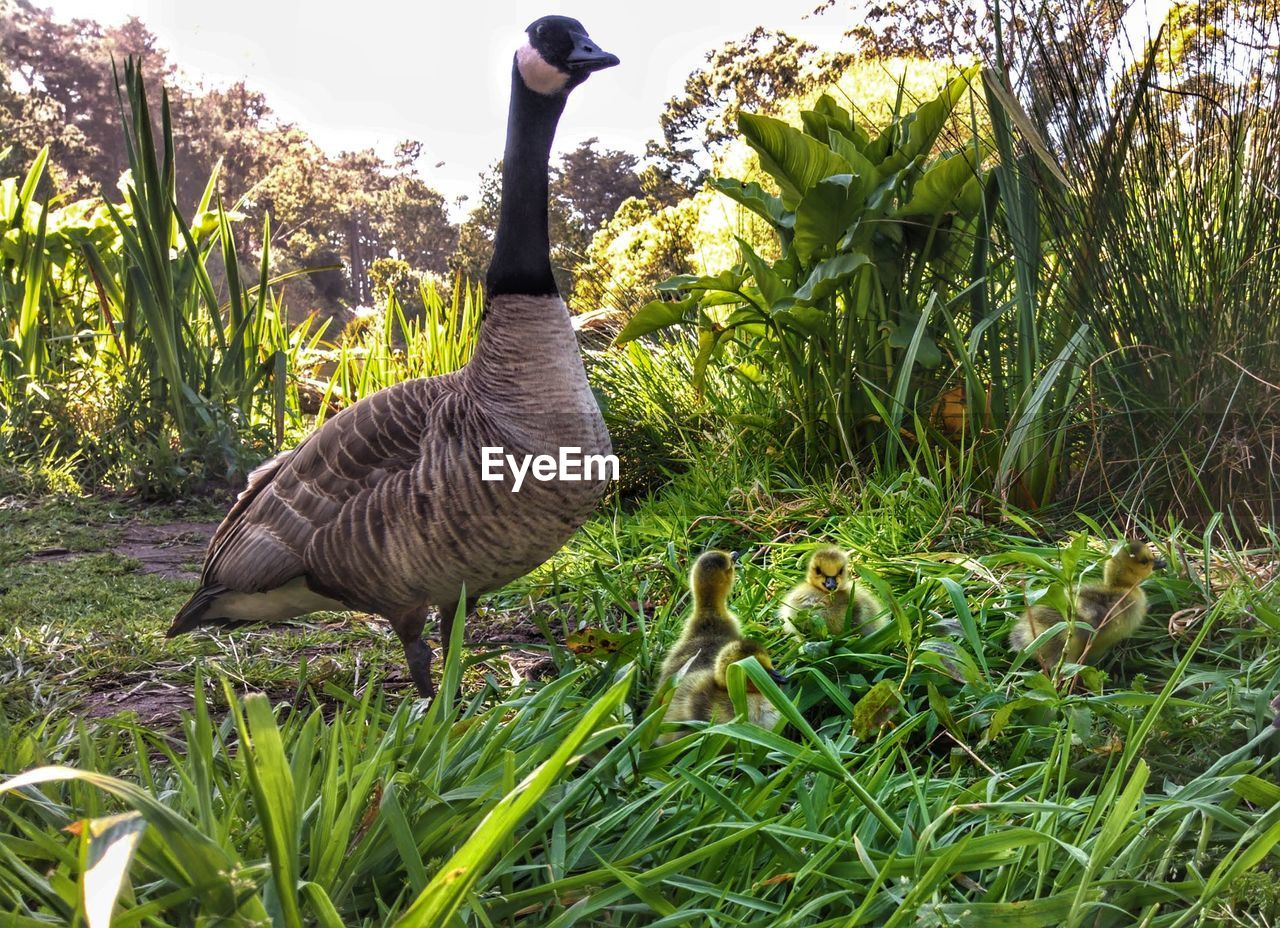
(1145, 794)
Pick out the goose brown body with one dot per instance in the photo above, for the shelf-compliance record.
(385, 508)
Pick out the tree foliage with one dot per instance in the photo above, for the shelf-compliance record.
(57, 87)
(753, 73)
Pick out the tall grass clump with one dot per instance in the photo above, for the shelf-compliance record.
(907, 304)
(121, 353)
(393, 345)
(1167, 234)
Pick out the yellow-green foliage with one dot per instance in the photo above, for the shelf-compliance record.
(640, 246)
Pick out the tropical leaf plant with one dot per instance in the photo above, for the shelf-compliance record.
(870, 229)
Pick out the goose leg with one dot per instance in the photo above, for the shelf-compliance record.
(417, 653)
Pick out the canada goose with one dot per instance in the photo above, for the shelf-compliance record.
(392, 506)
(704, 694)
(710, 624)
(1103, 614)
(818, 606)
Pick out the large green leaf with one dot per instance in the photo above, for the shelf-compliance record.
(830, 275)
(914, 134)
(757, 199)
(772, 287)
(654, 316)
(795, 160)
(826, 117)
(825, 214)
(940, 189)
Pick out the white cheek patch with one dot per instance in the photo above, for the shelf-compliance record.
(538, 74)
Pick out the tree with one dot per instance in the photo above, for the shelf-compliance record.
(587, 187)
(58, 90)
(57, 87)
(753, 73)
(474, 248)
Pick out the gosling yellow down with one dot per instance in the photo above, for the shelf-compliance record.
(818, 606)
(1103, 614)
(710, 624)
(704, 694)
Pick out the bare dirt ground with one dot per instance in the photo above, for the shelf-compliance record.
(173, 550)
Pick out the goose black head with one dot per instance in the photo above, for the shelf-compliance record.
(559, 55)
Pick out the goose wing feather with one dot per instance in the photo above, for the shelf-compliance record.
(263, 540)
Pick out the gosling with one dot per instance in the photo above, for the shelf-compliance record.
(703, 695)
(1103, 615)
(710, 624)
(818, 606)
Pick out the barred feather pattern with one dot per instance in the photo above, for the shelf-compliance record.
(383, 508)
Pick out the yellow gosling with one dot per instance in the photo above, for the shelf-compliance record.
(1103, 614)
(710, 624)
(818, 606)
(704, 694)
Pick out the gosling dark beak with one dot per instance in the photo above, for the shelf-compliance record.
(588, 56)
(830, 583)
(1160, 563)
(734, 555)
(777, 677)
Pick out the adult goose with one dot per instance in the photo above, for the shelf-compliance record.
(391, 507)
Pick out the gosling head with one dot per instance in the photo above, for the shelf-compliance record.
(1132, 564)
(559, 56)
(829, 570)
(739, 650)
(712, 577)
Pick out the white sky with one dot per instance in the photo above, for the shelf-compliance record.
(373, 72)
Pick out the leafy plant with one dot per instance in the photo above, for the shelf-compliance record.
(118, 351)
(397, 346)
(869, 231)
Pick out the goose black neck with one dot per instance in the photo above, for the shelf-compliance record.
(522, 248)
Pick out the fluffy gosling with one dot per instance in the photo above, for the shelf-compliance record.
(1103, 614)
(819, 605)
(710, 624)
(704, 694)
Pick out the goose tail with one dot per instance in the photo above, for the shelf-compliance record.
(192, 615)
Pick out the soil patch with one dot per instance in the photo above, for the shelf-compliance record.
(173, 550)
(157, 704)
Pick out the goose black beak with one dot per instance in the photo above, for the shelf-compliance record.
(777, 677)
(734, 555)
(1160, 563)
(588, 56)
(830, 583)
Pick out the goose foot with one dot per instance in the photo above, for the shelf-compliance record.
(417, 654)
